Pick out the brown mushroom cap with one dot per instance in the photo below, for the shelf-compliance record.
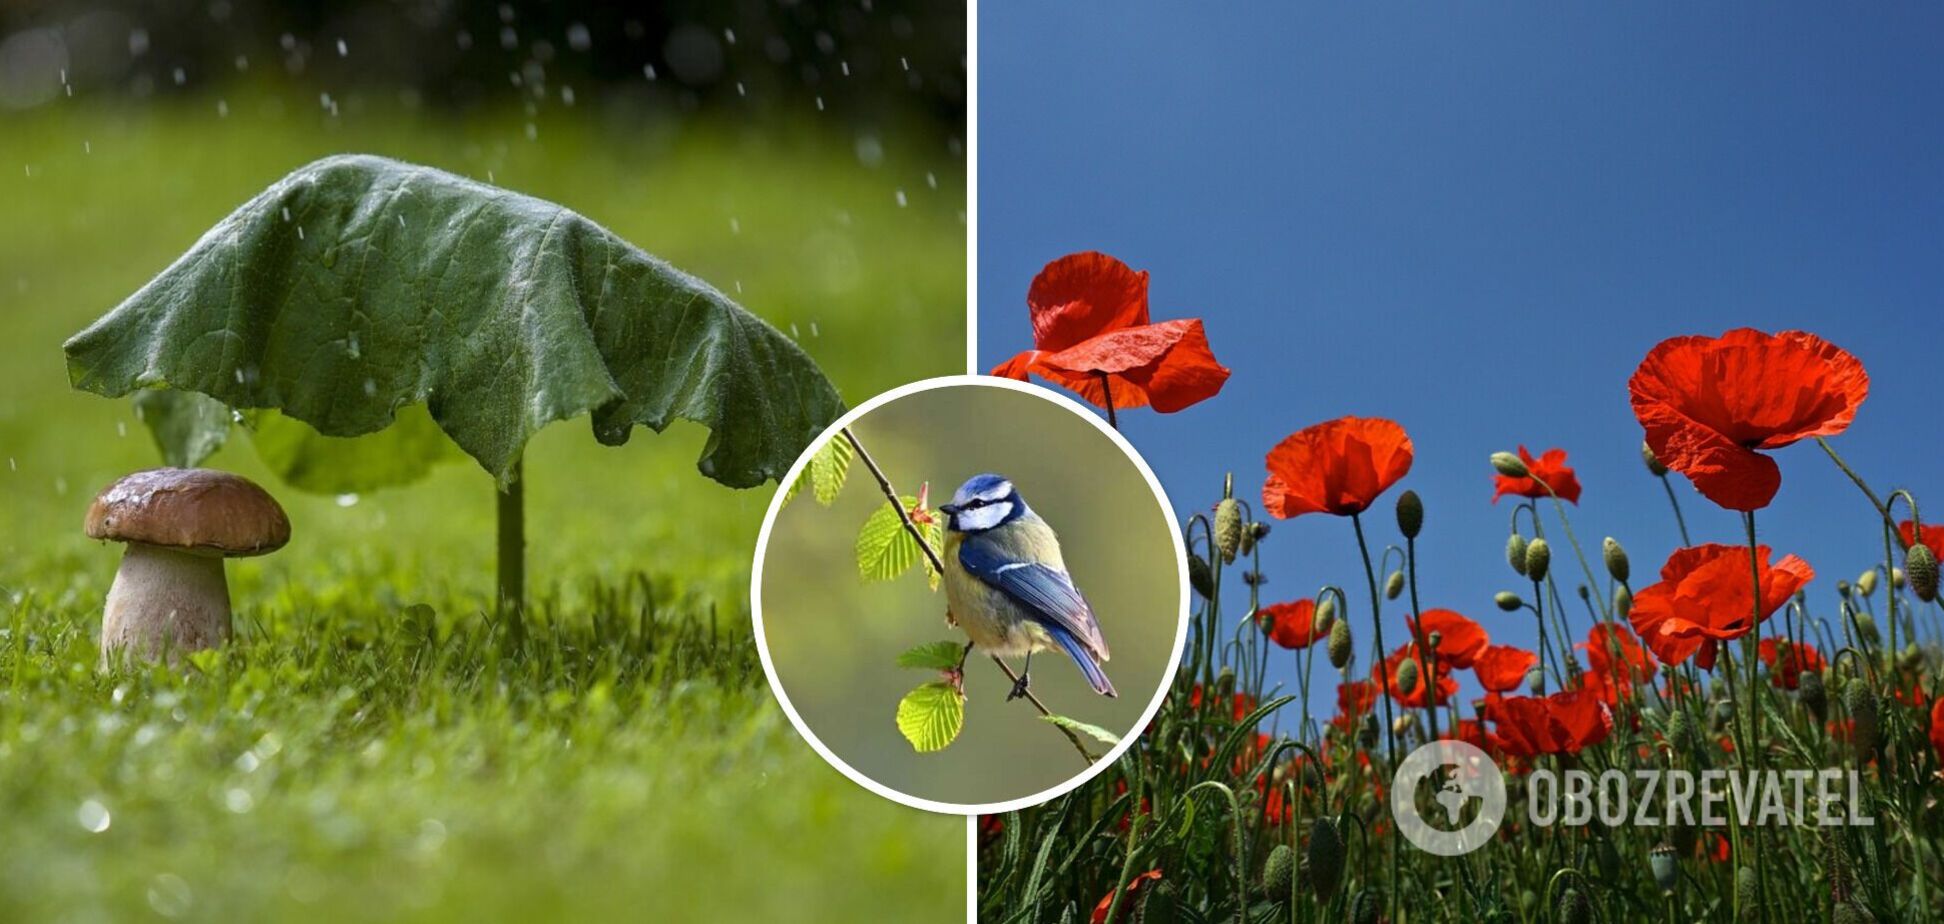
(197, 509)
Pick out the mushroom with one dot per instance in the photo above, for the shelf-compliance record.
(179, 523)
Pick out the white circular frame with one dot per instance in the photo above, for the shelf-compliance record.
(1181, 576)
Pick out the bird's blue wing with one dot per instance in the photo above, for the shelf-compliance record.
(1045, 593)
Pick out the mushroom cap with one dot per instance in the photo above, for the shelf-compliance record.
(196, 509)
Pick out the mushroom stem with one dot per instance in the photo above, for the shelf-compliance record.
(165, 601)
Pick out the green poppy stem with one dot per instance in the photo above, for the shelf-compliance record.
(1383, 671)
(1750, 649)
(512, 551)
(1107, 396)
(1675, 503)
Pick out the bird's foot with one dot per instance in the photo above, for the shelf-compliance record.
(1019, 687)
(956, 677)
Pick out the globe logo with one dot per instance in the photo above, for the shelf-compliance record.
(1463, 775)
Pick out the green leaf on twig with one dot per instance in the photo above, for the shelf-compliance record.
(930, 716)
(937, 656)
(1092, 731)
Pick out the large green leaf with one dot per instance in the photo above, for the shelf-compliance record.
(930, 716)
(358, 286)
(187, 427)
(310, 461)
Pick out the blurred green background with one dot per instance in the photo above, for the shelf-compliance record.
(366, 748)
(834, 638)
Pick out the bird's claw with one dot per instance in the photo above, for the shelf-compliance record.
(1019, 687)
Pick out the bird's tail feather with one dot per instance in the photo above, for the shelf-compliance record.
(1096, 676)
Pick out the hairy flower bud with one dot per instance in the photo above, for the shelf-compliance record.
(1573, 908)
(1325, 619)
(1278, 872)
(1622, 601)
(1538, 559)
(1862, 704)
(1866, 583)
(1616, 559)
(1200, 577)
(1812, 694)
(1747, 893)
(1920, 564)
(1325, 857)
(1509, 465)
(1364, 908)
(1341, 647)
(1410, 514)
(1507, 600)
(1228, 528)
(1394, 585)
(1654, 465)
(1515, 553)
(1407, 677)
(1536, 681)
(1866, 629)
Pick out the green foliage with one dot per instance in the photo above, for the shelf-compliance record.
(937, 656)
(930, 716)
(359, 285)
(825, 472)
(187, 427)
(1092, 731)
(885, 549)
(310, 461)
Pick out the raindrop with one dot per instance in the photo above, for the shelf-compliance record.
(814, 333)
(300, 232)
(181, 76)
(567, 96)
(506, 12)
(93, 817)
(793, 330)
(60, 487)
(239, 376)
(347, 500)
(370, 388)
(242, 62)
(353, 344)
(532, 132)
(906, 64)
(239, 801)
(12, 465)
(845, 67)
(343, 49)
(901, 198)
(170, 895)
(121, 428)
(740, 90)
(870, 151)
(138, 43)
(286, 213)
(509, 39)
(222, 109)
(738, 287)
(401, 218)
(820, 104)
(287, 42)
(87, 147)
(578, 38)
(735, 226)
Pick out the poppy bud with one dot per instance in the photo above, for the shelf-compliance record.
(1666, 872)
(1364, 908)
(1862, 704)
(1866, 582)
(1622, 601)
(1367, 735)
(1680, 730)
(1278, 872)
(1573, 907)
(1199, 577)
(1866, 629)
(1912, 658)
(1260, 530)
(1341, 647)
(1394, 585)
(1515, 553)
(1812, 694)
(1584, 593)
(1616, 559)
(1842, 589)
(1254, 578)
(1507, 600)
(1509, 465)
(1228, 527)
(1536, 682)
(1410, 514)
(1538, 559)
(1248, 540)
(1897, 578)
(1654, 465)
(1325, 859)
(1407, 677)
(1921, 564)
(1325, 618)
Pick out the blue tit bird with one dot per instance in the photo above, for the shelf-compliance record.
(1008, 587)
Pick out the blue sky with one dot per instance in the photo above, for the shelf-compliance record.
(1476, 220)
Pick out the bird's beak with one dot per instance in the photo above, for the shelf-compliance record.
(950, 510)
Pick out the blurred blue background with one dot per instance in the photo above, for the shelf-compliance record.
(1476, 221)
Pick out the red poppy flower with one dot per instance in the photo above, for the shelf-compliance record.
(1356, 697)
(1563, 723)
(1501, 668)
(1338, 467)
(1419, 695)
(1937, 728)
(1241, 704)
(1708, 403)
(1793, 658)
(1705, 597)
(1460, 641)
(1549, 470)
(1616, 663)
(1133, 888)
(1090, 325)
(1933, 535)
(1291, 625)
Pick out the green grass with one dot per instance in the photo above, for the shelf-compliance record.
(370, 746)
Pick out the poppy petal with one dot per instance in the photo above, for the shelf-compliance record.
(1083, 295)
(1167, 365)
(1337, 467)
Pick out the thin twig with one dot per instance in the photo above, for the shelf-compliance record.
(938, 565)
